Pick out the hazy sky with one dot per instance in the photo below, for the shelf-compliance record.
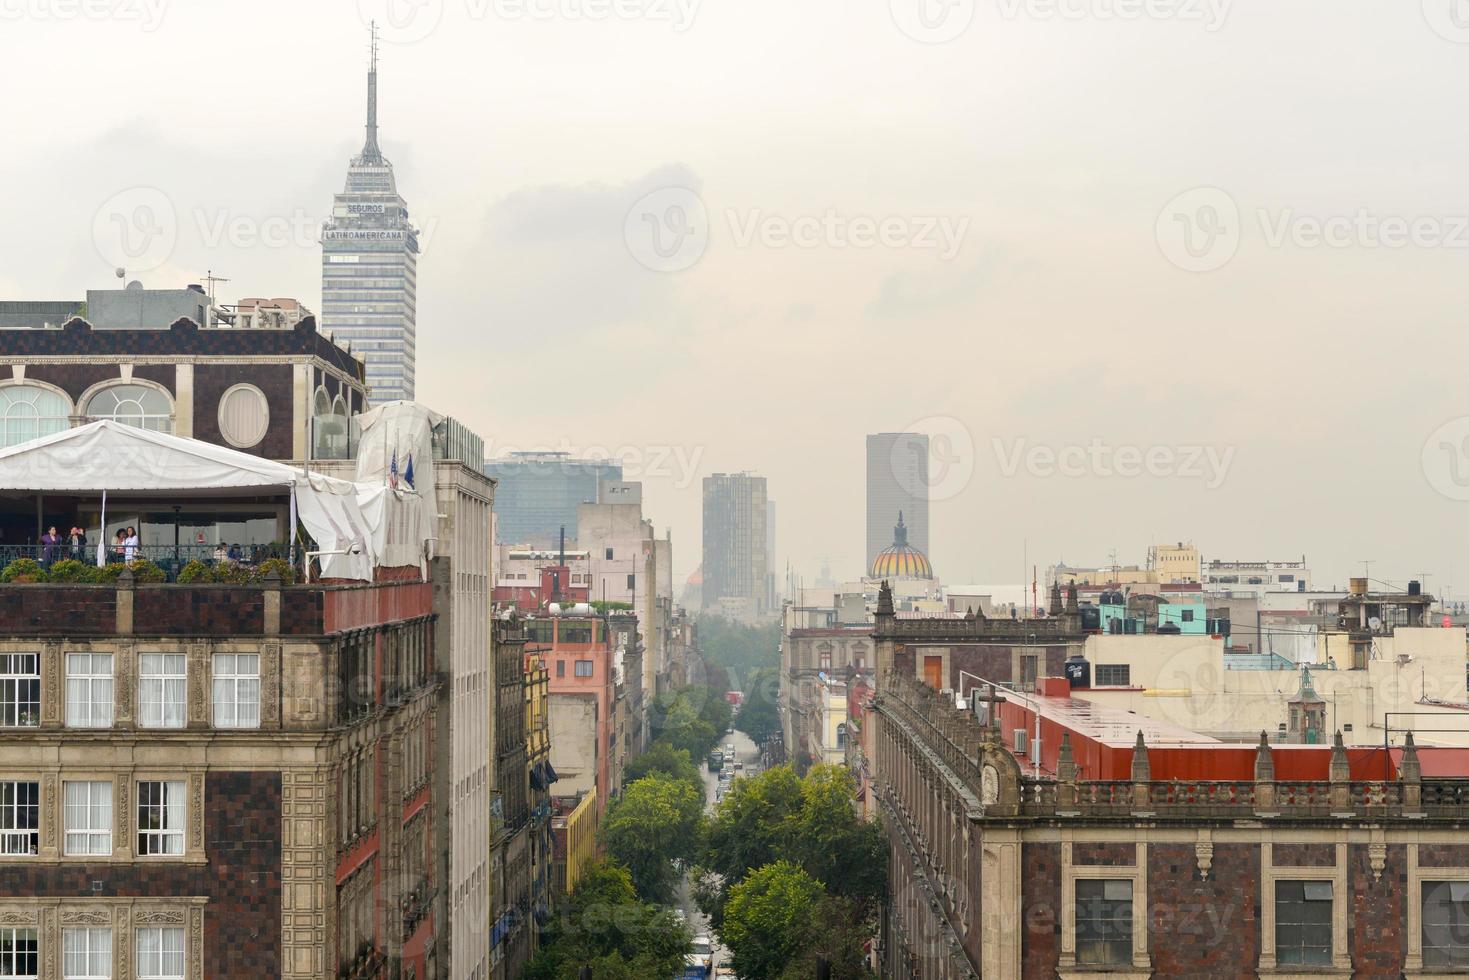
(1210, 255)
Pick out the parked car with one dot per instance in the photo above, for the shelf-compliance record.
(738, 766)
(716, 760)
(700, 961)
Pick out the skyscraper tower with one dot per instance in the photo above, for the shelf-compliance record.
(369, 267)
(897, 482)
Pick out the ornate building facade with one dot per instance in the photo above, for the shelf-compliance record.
(1268, 861)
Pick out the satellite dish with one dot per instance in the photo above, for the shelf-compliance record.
(1375, 623)
(120, 272)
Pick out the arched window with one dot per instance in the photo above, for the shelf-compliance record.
(331, 434)
(31, 411)
(132, 404)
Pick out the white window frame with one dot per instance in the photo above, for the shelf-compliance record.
(163, 833)
(12, 708)
(228, 708)
(155, 687)
(92, 840)
(1341, 959)
(1137, 873)
(14, 934)
(93, 710)
(1413, 966)
(87, 939)
(154, 970)
(12, 836)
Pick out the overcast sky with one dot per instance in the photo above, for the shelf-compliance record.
(1155, 270)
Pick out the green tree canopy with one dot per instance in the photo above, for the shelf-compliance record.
(752, 825)
(740, 648)
(770, 918)
(604, 926)
(759, 715)
(845, 853)
(690, 718)
(663, 757)
(657, 819)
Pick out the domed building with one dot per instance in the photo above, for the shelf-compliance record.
(900, 560)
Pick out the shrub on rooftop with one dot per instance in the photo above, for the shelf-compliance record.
(23, 570)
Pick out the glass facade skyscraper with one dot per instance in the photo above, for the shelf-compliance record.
(539, 493)
(369, 269)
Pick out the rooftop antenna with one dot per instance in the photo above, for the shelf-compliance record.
(371, 154)
(211, 278)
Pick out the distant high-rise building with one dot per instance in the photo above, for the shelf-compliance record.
(539, 494)
(369, 268)
(897, 480)
(736, 561)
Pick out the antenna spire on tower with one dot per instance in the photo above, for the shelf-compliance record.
(370, 151)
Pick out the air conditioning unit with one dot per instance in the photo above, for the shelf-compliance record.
(1022, 741)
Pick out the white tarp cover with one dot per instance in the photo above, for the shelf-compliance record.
(395, 479)
(107, 455)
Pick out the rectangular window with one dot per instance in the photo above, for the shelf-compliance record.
(1446, 924)
(161, 818)
(19, 954)
(20, 819)
(575, 634)
(86, 954)
(20, 689)
(1303, 923)
(1114, 675)
(89, 690)
(162, 690)
(584, 668)
(609, 554)
(632, 581)
(1188, 615)
(88, 817)
(1104, 922)
(561, 668)
(160, 954)
(236, 690)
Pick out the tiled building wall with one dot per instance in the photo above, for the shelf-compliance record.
(242, 920)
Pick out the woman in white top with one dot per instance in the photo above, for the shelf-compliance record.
(130, 546)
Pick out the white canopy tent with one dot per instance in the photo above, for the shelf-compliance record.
(106, 456)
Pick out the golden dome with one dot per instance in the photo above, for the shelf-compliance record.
(900, 559)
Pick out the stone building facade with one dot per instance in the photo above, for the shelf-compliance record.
(220, 780)
(285, 394)
(997, 873)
